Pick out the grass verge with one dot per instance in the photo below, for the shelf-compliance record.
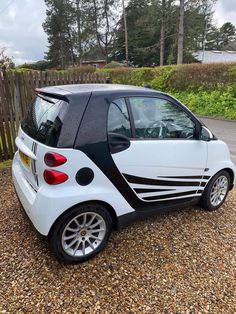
(5, 164)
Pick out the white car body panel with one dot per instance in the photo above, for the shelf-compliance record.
(219, 157)
(163, 160)
(48, 202)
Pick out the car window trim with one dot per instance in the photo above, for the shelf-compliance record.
(173, 102)
(131, 118)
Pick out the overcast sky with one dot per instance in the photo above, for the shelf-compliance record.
(22, 34)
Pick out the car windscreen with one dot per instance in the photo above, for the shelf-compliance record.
(44, 120)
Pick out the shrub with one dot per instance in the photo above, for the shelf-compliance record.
(119, 75)
(83, 69)
(193, 76)
(20, 70)
(162, 77)
(182, 77)
(113, 65)
(142, 76)
(216, 103)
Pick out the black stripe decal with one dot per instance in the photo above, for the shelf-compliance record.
(152, 198)
(147, 181)
(94, 144)
(33, 163)
(203, 184)
(36, 176)
(186, 177)
(152, 190)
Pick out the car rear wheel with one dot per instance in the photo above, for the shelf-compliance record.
(81, 233)
(216, 191)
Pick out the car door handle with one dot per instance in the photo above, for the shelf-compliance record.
(118, 142)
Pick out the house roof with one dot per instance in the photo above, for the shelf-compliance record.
(212, 56)
(94, 61)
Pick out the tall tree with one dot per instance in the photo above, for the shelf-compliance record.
(126, 34)
(168, 26)
(58, 26)
(227, 34)
(181, 33)
(78, 11)
(220, 38)
(105, 22)
(163, 24)
(83, 29)
(144, 33)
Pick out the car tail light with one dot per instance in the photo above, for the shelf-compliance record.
(54, 159)
(54, 177)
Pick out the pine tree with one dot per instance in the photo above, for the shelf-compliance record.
(227, 34)
(58, 26)
(83, 29)
(105, 19)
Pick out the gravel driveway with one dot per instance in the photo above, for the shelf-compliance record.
(182, 262)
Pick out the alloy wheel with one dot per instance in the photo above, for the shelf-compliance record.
(219, 190)
(83, 234)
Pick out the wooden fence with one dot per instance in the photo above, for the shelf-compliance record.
(17, 93)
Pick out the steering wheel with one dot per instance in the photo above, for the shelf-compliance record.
(187, 134)
(156, 129)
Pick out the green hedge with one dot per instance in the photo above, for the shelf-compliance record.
(207, 89)
(217, 103)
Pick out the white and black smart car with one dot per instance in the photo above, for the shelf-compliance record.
(93, 157)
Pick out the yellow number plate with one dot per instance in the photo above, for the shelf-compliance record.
(25, 159)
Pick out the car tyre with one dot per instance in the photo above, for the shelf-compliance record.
(216, 191)
(81, 233)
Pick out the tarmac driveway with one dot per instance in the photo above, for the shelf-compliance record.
(224, 130)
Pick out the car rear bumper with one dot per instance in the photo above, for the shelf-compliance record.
(38, 206)
(24, 191)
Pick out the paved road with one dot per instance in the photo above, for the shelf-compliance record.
(224, 130)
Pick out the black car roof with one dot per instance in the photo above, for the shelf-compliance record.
(83, 88)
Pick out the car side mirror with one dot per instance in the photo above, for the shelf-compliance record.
(206, 134)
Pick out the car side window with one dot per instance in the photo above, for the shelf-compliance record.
(118, 118)
(158, 118)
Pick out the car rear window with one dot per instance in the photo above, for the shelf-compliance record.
(44, 120)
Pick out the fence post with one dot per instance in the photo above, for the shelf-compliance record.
(6, 116)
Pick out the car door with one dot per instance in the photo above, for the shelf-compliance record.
(153, 143)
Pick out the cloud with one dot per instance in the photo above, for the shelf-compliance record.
(225, 11)
(21, 30)
(228, 5)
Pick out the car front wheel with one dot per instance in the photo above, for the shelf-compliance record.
(81, 233)
(216, 191)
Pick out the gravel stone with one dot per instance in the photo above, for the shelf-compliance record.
(180, 262)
